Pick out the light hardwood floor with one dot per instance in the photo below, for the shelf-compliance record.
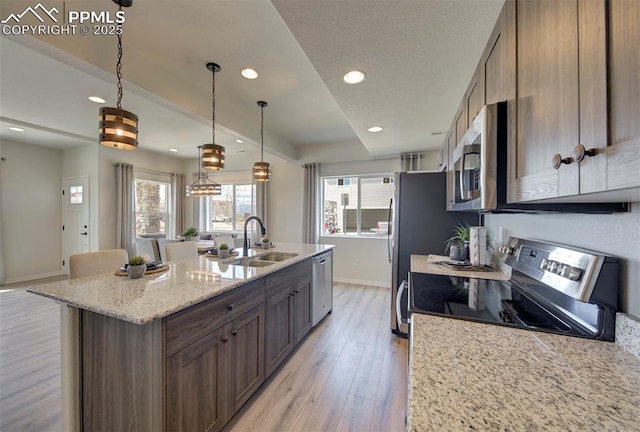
(349, 374)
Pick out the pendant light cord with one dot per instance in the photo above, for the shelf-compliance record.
(213, 107)
(119, 64)
(262, 133)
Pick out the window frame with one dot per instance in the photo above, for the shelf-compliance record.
(206, 209)
(168, 214)
(359, 233)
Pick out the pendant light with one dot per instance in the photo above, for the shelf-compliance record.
(203, 186)
(213, 154)
(261, 170)
(118, 127)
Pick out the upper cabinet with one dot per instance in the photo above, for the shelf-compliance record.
(613, 162)
(577, 129)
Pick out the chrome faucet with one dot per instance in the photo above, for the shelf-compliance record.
(245, 248)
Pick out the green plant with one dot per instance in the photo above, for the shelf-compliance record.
(265, 239)
(190, 232)
(223, 246)
(460, 235)
(136, 260)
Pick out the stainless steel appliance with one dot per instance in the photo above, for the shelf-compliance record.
(553, 288)
(322, 286)
(421, 225)
(480, 163)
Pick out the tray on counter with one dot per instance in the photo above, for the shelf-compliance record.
(160, 269)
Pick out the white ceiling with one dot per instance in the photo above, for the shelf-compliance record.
(418, 56)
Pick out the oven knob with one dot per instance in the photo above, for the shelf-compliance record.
(575, 273)
(544, 264)
(564, 271)
(552, 266)
(507, 250)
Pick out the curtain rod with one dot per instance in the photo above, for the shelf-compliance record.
(353, 161)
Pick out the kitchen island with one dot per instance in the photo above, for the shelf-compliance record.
(183, 349)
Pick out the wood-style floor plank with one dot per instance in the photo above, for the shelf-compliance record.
(349, 374)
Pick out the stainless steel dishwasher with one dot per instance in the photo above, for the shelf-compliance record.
(322, 286)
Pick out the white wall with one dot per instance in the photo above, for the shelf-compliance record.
(80, 161)
(31, 218)
(139, 158)
(616, 234)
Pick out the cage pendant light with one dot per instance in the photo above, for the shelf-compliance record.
(203, 186)
(118, 127)
(261, 170)
(213, 154)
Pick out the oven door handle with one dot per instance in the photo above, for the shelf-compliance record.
(401, 288)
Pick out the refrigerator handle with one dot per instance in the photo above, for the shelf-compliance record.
(389, 229)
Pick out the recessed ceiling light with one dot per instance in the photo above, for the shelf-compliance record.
(241, 151)
(375, 129)
(16, 129)
(97, 99)
(239, 141)
(249, 73)
(173, 150)
(353, 77)
(437, 132)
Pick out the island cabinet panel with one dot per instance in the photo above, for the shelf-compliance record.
(197, 385)
(122, 374)
(288, 311)
(547, 99)
(189, 325)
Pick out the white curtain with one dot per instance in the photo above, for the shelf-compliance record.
(178, 192)
(124, 208)
(199, 220)
(311, 207)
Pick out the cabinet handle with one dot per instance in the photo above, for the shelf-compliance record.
(580, 152)
(296, 291)
(558, 161)
(225, 339)
(230, 306)
(234, 332)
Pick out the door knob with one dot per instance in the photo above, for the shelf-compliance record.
(225, 339)
(84, 233)
(234, 332)
(580, 152)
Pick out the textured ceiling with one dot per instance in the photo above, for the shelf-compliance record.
(418, 56)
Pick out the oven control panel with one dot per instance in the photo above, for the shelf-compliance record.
(570, 270)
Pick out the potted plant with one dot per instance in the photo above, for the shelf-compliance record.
(189, 233)
(457, 246)
(137, 267)
(223, 250)
(265, 242)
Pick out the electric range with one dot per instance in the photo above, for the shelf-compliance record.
(553, 288)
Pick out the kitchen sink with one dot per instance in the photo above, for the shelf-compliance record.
(250, 262)
(276, 256)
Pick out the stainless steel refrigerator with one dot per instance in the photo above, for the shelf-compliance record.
(421, 226)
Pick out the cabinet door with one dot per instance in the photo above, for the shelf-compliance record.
(302, 303)
(279, 333)
(498, 62)
(246, 357)
(547, 99)
(197, 385)
(474, 96)
(617, 157)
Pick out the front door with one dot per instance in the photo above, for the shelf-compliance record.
(75, 218)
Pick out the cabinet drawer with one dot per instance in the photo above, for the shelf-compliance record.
(287, 275)
(189, 325)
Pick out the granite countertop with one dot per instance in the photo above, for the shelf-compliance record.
(186, 283)
(428, 264)
(466, 375)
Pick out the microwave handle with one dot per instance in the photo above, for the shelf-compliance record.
(463, 192)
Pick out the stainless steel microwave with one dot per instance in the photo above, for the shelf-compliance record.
(480, 170)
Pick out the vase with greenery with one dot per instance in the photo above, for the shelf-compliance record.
(223, 250)
(137, 267)
(265, 242)
(457, 246)
(190, 233)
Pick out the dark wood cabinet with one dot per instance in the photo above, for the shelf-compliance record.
(288, 311)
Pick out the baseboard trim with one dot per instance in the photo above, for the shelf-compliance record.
(363, 282)
(34, 277)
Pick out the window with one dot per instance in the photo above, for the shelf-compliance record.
(151, 207)
(356, 205)
(228, 211)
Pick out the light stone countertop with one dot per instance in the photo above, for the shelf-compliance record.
(187, 282)
(427, 264)
(466, 375)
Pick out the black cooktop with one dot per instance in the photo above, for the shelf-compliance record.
(510, 303)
